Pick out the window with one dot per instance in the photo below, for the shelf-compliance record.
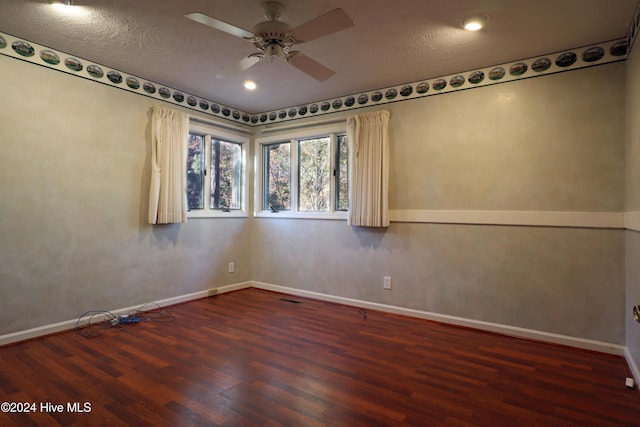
(304, 176)
(314, 174)
(342, 174)
(226, 165)
(277, 176)
(195, 172)
(215, 172)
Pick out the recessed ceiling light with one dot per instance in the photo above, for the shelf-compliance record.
(70, 8)
(474, 23)
(250, 84)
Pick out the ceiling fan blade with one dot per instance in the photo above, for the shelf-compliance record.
(219, 25)
(331, 22)
(239, 67)
(310, 66)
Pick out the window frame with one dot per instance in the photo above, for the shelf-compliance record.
(330, 165)
(211, 131)
(293, 137)
(263, 195)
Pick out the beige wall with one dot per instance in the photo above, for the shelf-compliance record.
(633, 130)
(74, 188)
(564, 281)
(633, 200)
(74, 180)
(554, 143)
(632, 250)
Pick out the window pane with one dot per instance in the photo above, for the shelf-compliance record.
(195, 172)
(277, 176)
(314, 173)
(226, 165)
(342, 174)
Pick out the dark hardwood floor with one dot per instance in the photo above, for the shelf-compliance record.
(250, 358)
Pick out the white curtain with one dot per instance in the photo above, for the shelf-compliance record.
(169, 138)
(368, 139)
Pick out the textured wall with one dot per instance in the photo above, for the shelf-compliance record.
(551, 143)
(633, 130)
(74, 182)
(632, 275)
(554, 143)
(565, 281)
(633, 199)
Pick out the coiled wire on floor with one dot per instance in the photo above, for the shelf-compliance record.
(93, 323)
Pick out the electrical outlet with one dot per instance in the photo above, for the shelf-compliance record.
(387, 282)
(232, 267)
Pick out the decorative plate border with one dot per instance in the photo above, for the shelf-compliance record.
(634, 28)
(557, 62)
(60, 61)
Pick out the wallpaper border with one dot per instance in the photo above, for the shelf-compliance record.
(597, 54)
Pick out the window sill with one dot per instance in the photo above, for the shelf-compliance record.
(217, 214)
(340, 216)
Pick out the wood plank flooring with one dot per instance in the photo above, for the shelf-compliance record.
(250, 358)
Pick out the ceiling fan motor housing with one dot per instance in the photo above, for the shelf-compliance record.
(273, 36)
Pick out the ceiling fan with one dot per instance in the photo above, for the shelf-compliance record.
(275, 39)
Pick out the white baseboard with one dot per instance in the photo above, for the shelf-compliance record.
(234, 287)
(514, 331)
(71, 324)
(460, 321)
(632, 365)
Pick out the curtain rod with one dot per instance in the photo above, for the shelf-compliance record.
(273, 127)
(229, 126)
(302, 123)
(305, 122)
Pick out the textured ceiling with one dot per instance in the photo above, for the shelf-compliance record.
(391, 42)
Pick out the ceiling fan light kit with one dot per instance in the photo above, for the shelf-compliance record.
(275, 39)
